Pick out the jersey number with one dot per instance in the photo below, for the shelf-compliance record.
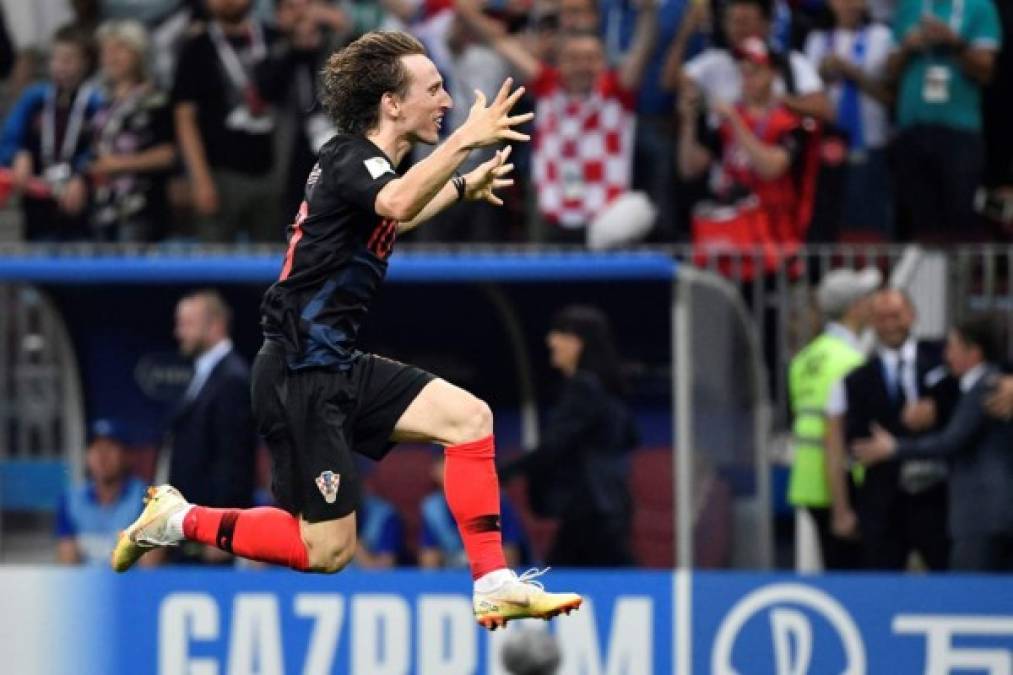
(293, 241)
(382, 240)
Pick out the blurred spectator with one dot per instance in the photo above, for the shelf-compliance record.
(225, 126)
(584, 125)
(978, 450)
(531, 652)
(133, 141)
(844, 298)
(654, 154)
(166, 22)
(851, 58)
(380, 534)
(31, 25)
(440, 543)
(468, 65)
(716, 74)
(753, 153)
(91, 516)
(903, 387)
(944, 57)
(46, 141)
(289, 76)
(212, 450)
(580, 470)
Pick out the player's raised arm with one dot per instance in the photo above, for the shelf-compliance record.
(404, 198)
(480, 184)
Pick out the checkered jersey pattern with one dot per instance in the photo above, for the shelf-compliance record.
(583, 147)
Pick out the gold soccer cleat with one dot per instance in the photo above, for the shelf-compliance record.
(151, 529)
(522, 598)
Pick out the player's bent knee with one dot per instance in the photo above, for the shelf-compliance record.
(475, 421)
(329, 559)
(329, 551)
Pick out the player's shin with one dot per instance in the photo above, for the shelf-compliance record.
(472, 491)
(264, 534)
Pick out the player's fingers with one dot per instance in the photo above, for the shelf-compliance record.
(519, 119)
(505, 153)
(511, 135)
(493, 199)
(503, 170)
(502, 183)
(514, 97)
(479, 99)
(504, 89)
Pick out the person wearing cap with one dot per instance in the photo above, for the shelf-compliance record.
(755, 196)
(133, 141)
(844, 299)
(899, 508)
(90, 516)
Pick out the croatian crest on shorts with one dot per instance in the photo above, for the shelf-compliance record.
(328, 483)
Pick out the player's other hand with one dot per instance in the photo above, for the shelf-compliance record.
(487, 177)
(488, 125)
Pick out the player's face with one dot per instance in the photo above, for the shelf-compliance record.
(564, 351)
(744, 21)
(105, 460)
(892, 318)
(581, 62)
(426, 103)
(192, 327)
(67, 65)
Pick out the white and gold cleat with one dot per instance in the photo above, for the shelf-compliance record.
(151, 529)
(522, 598)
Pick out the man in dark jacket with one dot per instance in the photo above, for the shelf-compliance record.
(905, 388)
(213, 442)
(980, 453)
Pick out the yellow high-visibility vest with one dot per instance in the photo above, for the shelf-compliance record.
(811, 376)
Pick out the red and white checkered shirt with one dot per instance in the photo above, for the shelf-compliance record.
(583, 147)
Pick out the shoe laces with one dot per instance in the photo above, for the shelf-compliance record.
(529, 577)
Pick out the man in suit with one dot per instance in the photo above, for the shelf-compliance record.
(980, 453)
(213, 442)
(904, 387)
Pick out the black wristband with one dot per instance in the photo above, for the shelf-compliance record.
(462, 187)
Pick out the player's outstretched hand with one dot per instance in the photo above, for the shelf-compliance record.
(487, 177)
(488, 125)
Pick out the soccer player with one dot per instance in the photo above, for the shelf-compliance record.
(315, 396)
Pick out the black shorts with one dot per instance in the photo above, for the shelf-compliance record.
(312, 420)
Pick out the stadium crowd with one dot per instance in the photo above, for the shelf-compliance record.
(753, 123)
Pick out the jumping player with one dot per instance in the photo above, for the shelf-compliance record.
(316, 398)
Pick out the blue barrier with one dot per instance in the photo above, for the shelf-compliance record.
(404, 267)
(635, 623)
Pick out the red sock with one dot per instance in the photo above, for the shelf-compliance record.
(265, 534)
(472, 490)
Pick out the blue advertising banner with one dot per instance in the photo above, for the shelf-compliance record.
(217, 622)
(853, 624)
